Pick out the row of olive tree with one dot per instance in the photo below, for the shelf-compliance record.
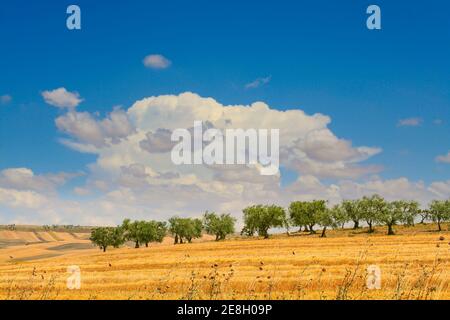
(375, 210)
(259, 219)
(372, 210)
(145, 232)
(139, 232)
(212, 223)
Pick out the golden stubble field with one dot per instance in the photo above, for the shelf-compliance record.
(415, 264)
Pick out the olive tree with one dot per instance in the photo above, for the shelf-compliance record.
(104, 237)
(117, 237)
(439, 212)
(259, 219)
(339, 215)
(303, 213)
(185, 229)
(392, 214)
(325, 219)
(410, 211)
(353, 211)
(372, 209)
(192, 228)
(152, 231)
(143, 232)
(218, 225)
(133, 231)
(175, 229)
(424, 215)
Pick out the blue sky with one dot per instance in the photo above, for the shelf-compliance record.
(319, 55)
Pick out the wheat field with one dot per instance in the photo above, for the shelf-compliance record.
(414, 264)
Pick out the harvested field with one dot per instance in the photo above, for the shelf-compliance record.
(415, 264)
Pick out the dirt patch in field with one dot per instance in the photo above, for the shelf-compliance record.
(72, 246)
(38, 257)
(9, 243)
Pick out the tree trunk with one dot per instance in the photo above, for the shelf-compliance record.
(311, 229)
(137, 245)
(306, 229)
(176, 239)
(323, 235)
(370, 227)
(146, 244)
(181, 240)
(390, 230)
(104, 249)
(356, 224)
(217, 237)
(439, 225)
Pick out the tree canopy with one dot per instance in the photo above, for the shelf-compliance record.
(260, 218)
(440, 212)
(105, 237)
(218, 225)
(185, 229)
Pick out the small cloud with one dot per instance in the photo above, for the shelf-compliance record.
(410, 122)
(156, 61)
(62, 98)
(81, 191)
(258, 83)
(444, 158)
(438, 122)
(5, 99)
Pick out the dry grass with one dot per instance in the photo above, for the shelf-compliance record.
(414, 264)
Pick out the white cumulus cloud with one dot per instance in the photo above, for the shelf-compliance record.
(133, 175)
(25, 179)
(86, 129)
(156, 61)
(62, 98)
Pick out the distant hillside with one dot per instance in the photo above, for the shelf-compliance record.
(56, 228)
(12, 235)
